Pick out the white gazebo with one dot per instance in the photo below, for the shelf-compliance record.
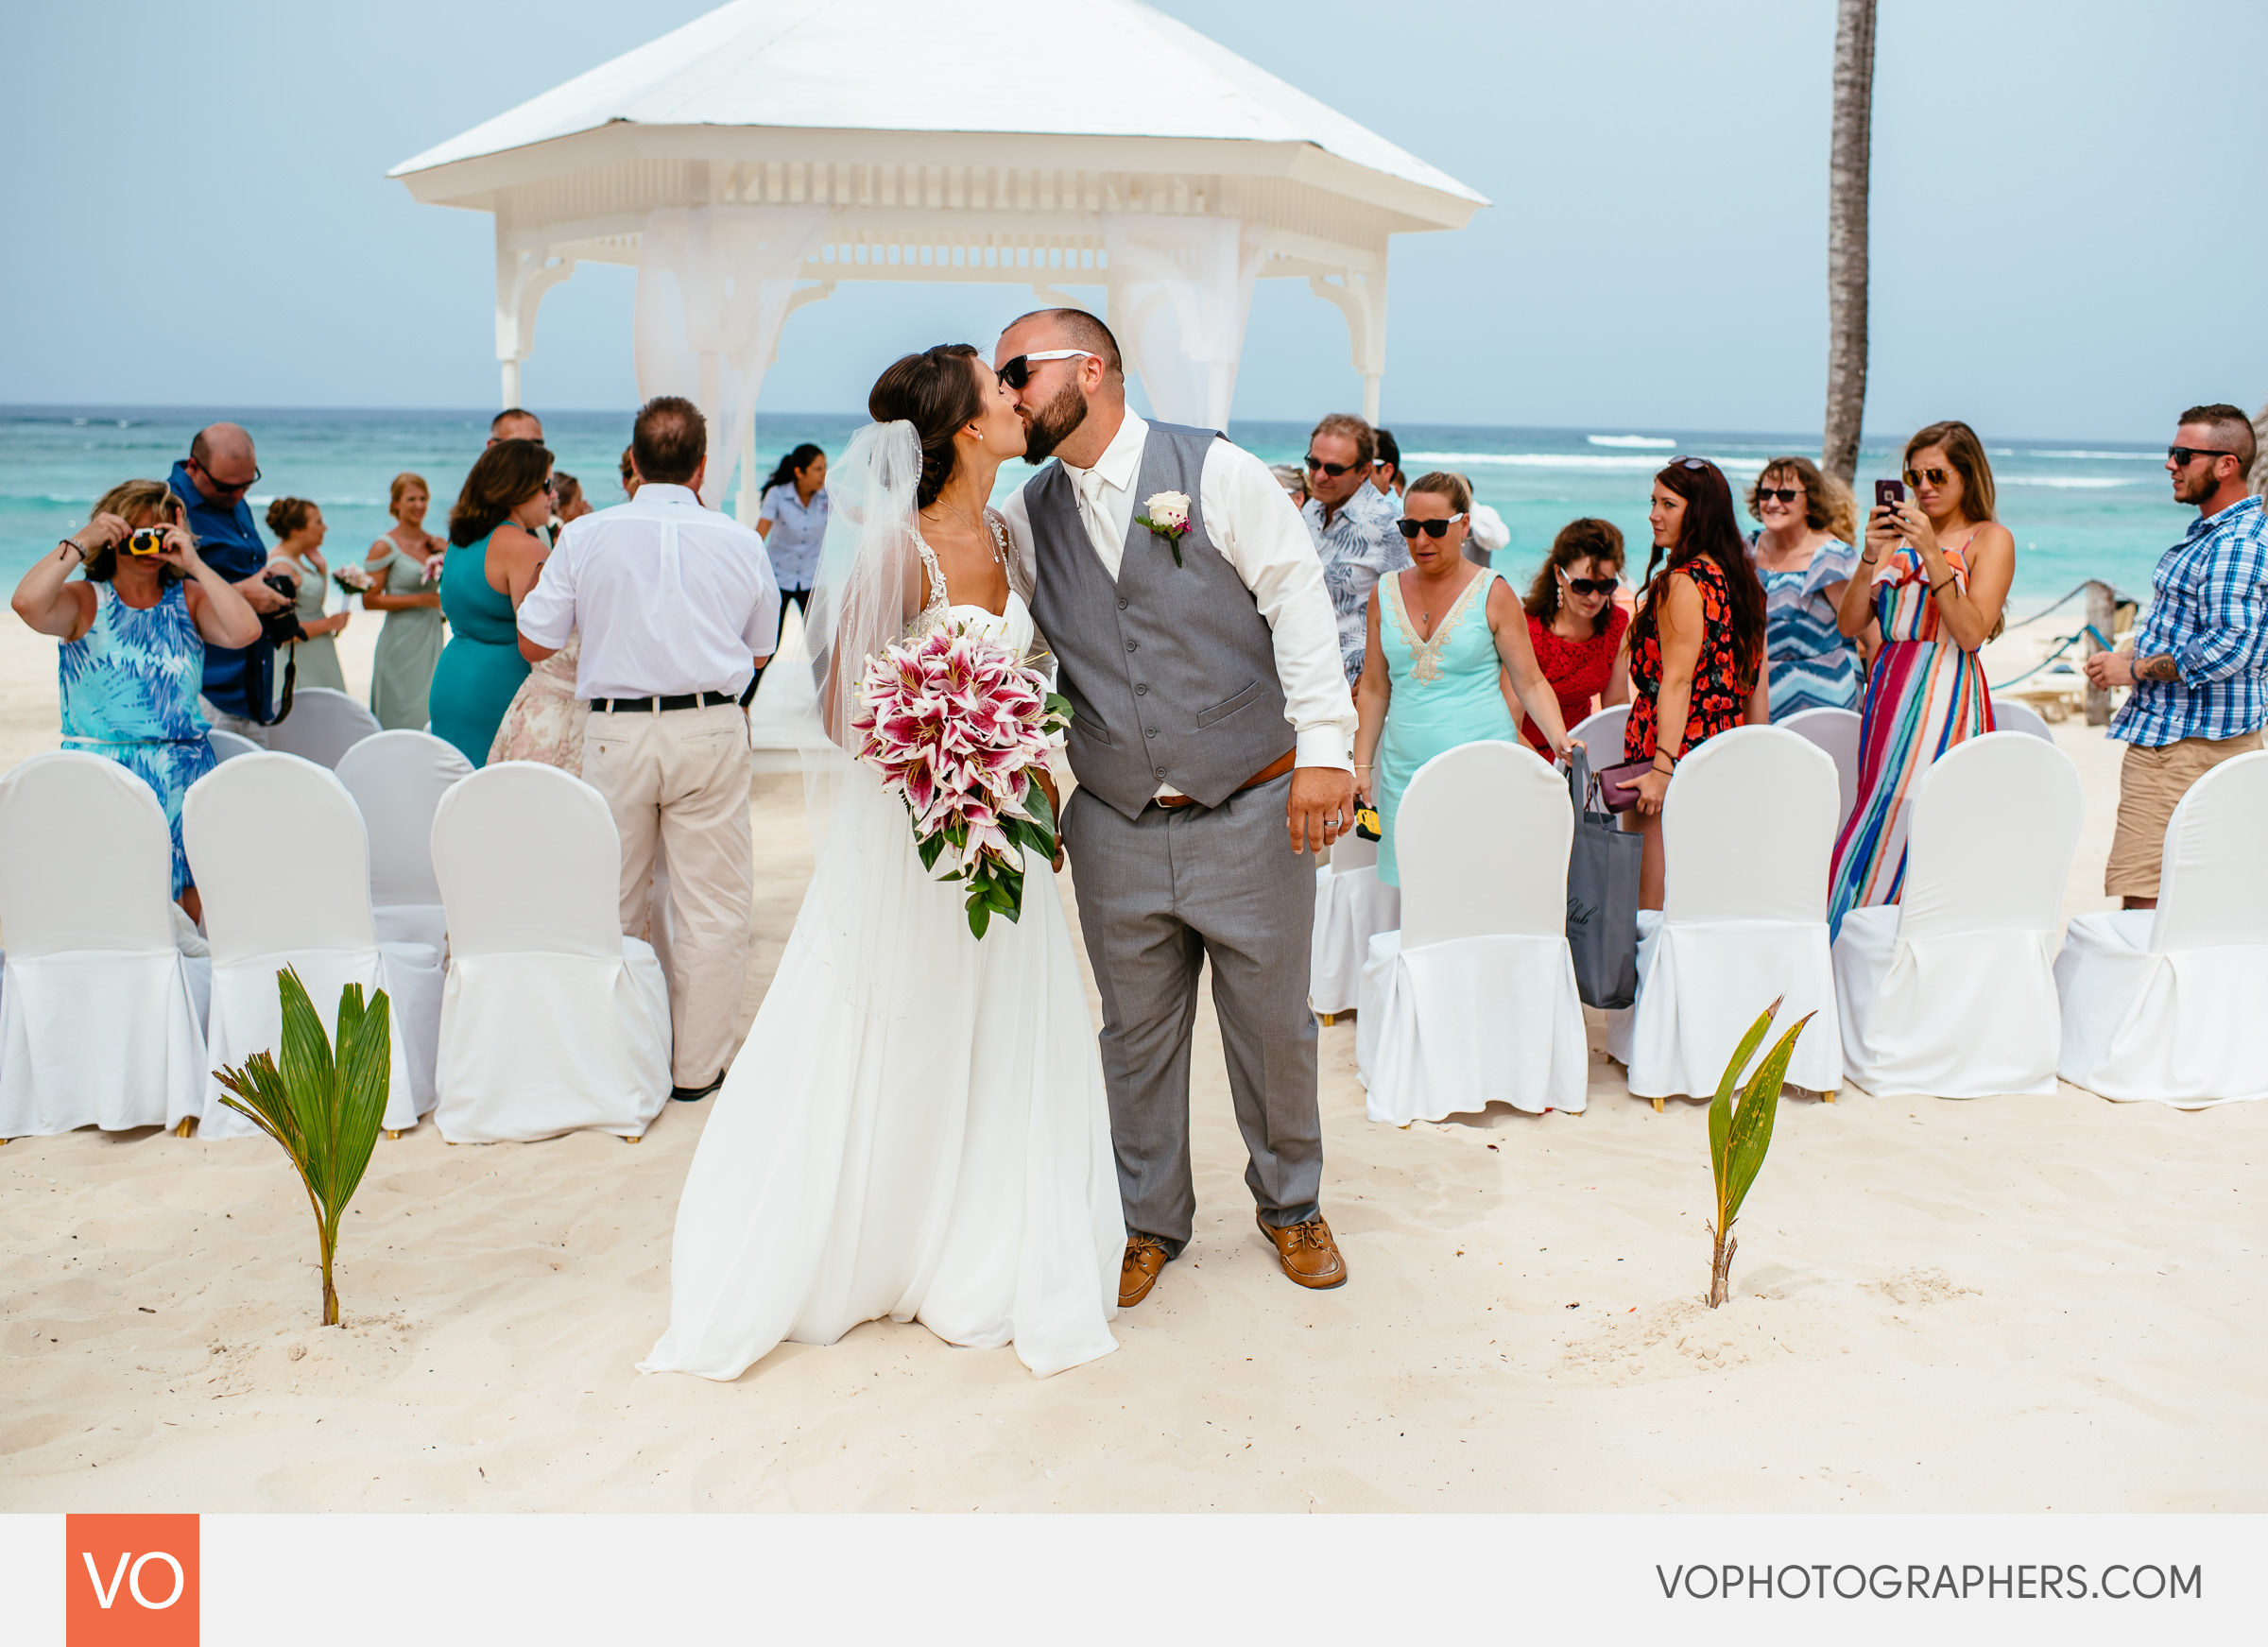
(747, 162)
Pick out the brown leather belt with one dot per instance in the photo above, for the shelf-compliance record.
(1274, 769)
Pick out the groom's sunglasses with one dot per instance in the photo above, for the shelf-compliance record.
(1017, 372)
(1431, 529)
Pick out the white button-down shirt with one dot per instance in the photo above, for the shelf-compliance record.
(670, 598)
(1251, 522)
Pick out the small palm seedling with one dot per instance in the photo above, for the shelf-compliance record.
(324, 1111)
(1738, 1137)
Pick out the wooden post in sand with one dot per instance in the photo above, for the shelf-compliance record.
(2101, 613)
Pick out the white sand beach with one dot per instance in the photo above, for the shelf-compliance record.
(2007, 1305)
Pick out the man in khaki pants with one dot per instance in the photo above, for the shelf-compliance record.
(676, 607)
(2198, 662)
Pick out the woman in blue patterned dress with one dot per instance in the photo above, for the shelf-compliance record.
(134, 656)
(1803, 555)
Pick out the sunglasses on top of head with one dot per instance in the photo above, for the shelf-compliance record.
(1431, 529)
(1017, 372)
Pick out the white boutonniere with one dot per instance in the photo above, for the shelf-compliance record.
(1166, 513)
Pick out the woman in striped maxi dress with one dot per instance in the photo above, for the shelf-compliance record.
(1934, 575)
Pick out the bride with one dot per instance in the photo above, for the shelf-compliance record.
(916, 1126)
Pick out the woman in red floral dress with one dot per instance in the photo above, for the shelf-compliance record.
(1697, 647)
(1576, 629)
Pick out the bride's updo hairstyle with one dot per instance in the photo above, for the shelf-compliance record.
(936, 392)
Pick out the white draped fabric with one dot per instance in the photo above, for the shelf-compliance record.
(282, 860)
(551, 1019)
(323, 725)
(1352, 906)
(99, 1021)
(1180, 292)
(397, 779)
(2165, 1004)
(1950, 992)
(713, 289)
(1747, 827)
(1473, 1002)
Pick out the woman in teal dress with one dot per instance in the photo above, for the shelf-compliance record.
(497, 549)
(1445, 637)
(134, 656)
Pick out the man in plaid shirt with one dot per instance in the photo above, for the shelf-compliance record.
(2198, 661)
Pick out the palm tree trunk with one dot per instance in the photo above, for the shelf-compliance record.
(1847, 167)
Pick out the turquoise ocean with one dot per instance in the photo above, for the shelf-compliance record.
(2080, 509)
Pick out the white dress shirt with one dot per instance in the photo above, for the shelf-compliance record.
(1252, 524)
(670, 598)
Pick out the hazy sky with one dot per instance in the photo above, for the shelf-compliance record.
(2069, 235)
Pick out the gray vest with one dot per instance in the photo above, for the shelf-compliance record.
(1170, 671)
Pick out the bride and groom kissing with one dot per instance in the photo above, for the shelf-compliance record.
(921, 1123)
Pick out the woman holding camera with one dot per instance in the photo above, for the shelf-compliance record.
(298, 529)
(134, 632)
(1934, 574)
(496, 535)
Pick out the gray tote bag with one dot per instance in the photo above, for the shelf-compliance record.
(1601, 895)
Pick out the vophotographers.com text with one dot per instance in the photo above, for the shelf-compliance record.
(2024, 1581)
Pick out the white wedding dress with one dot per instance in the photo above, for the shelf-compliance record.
(916, 1126)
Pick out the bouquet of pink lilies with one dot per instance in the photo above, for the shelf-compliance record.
(352, 577)
(433, 570)
(956, 725)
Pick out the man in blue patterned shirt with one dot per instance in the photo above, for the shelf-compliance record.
(2198, 661)
(1353, 525)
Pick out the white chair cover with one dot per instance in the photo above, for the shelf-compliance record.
(552, 1021)
(98, 1019)
(2166, 1004)
(1473, 1002)
(281, 858)
(1747, 827)
(323, 725)
(397, 779)
(1836, 730)
(1951, 992)
(227, 745)
(2013, 715)
(1352, 906)
(1600, 735)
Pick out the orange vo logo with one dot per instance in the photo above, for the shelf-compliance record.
(130, 1581)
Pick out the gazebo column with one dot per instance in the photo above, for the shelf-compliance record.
(1181, 293)
(522, 276)
(1361, 297)
(751, 486)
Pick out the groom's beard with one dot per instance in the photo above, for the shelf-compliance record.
(1054, 423)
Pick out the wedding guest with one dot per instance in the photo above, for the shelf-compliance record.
(630, 473)
(1442, 640)
(1934, 577)
(1576, 628)
(668, 644)
(1386, 473)
(2198, 661)
(1696, 647)
(546, 719)
(792, 521)
(1352, 524)
(497, 550)
(1487, 535)
(513, 423)
(574, 505)
(212, 482)
(404, 563)
(134, 631)
(298, 529)
(1292, 479)
(1803, 554)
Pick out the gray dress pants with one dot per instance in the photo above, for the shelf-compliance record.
(1159, 896)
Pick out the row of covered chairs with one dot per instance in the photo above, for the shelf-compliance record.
(546, 1019)
(1959, 990)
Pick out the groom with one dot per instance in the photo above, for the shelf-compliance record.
(1184, 603)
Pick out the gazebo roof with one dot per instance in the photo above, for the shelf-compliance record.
(1095, 83)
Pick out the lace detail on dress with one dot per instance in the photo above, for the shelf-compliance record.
(940, 602)
(1425, 656)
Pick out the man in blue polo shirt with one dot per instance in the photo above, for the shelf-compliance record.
(212, 482)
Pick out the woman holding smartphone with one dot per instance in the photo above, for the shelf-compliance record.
(1934, 574)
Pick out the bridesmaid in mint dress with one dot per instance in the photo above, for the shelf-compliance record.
(498, 545)
(410, 643)
(1444, 639)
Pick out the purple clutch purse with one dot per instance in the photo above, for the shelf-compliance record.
(1618, 786)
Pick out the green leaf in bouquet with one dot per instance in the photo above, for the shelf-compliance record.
(932, 849)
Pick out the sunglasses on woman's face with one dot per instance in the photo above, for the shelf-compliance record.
(1916, 476)
(1589, 585)
(1786, 494)
(1431, 529)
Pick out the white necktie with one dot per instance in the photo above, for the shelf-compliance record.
(1089, 487)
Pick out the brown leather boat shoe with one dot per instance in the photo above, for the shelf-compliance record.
(1145, 1257)
(1307, 1251)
